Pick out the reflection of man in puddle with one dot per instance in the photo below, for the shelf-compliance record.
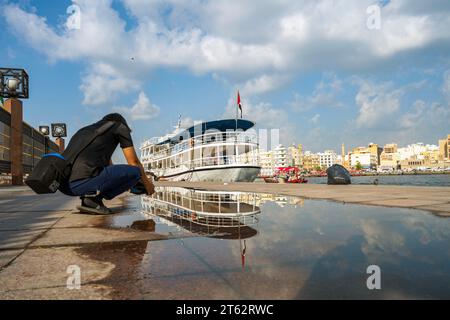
(93, 176)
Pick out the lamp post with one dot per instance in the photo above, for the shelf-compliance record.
(59, 131)
(44, 130)
(14, 85)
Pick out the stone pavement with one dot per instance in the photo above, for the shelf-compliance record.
(41, 236)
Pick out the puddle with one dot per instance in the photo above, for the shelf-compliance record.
(254, 246)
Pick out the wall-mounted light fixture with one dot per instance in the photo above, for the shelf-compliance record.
(59, 130)
(14, 83)
(45, 130)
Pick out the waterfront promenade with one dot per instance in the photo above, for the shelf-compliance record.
(435, 199)
(42, 236)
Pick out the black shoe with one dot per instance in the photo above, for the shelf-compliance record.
(93, 205)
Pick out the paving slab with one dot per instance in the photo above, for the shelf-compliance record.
(405, 203)
(7, 256)
(77, 236)
(87, 292)
(361, 199)
(440, 209)
(43, 268)
(78, 220)
(18, 239)
(29, 220)
(34, 203)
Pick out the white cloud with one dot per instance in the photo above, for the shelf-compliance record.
(188, 122)
(376, 103)
(264, 83)
(420, 121)
(446, 86)
(266, 116)
(263, 113)
(426, 117)
(410, 120)
(236, 39)
(103, 84)
(315, 119)
(100, 37)
(325, 94)
(439, 115)
(143, 109)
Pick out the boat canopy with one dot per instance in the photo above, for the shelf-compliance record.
(218, 125)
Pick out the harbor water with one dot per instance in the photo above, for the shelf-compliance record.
(436, 180)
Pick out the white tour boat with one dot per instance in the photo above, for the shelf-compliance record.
(216, 214)
(217, 151)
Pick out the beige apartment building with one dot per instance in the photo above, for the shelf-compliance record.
(444, 149)
(431, 157)
(376, 150)
(427, 161)
(311, 161)
(389, 158)
(266, 162)
(368, 157)
(296, 155)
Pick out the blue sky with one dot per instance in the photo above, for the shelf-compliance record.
(313, 69)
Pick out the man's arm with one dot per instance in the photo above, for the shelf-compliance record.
(133, 160)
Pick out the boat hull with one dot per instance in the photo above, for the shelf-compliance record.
(226, 174)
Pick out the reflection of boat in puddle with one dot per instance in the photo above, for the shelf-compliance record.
(302, 250)
(215, 214)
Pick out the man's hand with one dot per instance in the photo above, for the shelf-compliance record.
(133, 160)
(150, 187)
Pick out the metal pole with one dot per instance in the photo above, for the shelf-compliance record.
(237, 107)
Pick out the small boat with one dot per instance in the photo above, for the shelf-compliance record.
(297, 180)
(271, 180)
(286, 175)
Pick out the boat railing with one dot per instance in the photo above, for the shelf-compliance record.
(224, 160)
(172, 212)
(226, 205)
(218, 221)
(205, 139)
(244, 159)
(218, 218)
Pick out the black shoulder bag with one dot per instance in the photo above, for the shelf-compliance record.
(53, 169)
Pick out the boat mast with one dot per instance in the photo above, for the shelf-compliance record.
(237, 107)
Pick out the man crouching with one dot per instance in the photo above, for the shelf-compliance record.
(93, 176)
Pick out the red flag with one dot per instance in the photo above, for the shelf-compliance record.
(239, 103)
(243, 252)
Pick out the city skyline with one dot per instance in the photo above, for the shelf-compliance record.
(348, 147)
(386, 158)
(321, 74)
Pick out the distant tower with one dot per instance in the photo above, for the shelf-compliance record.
(343, 155)
(179, 122)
